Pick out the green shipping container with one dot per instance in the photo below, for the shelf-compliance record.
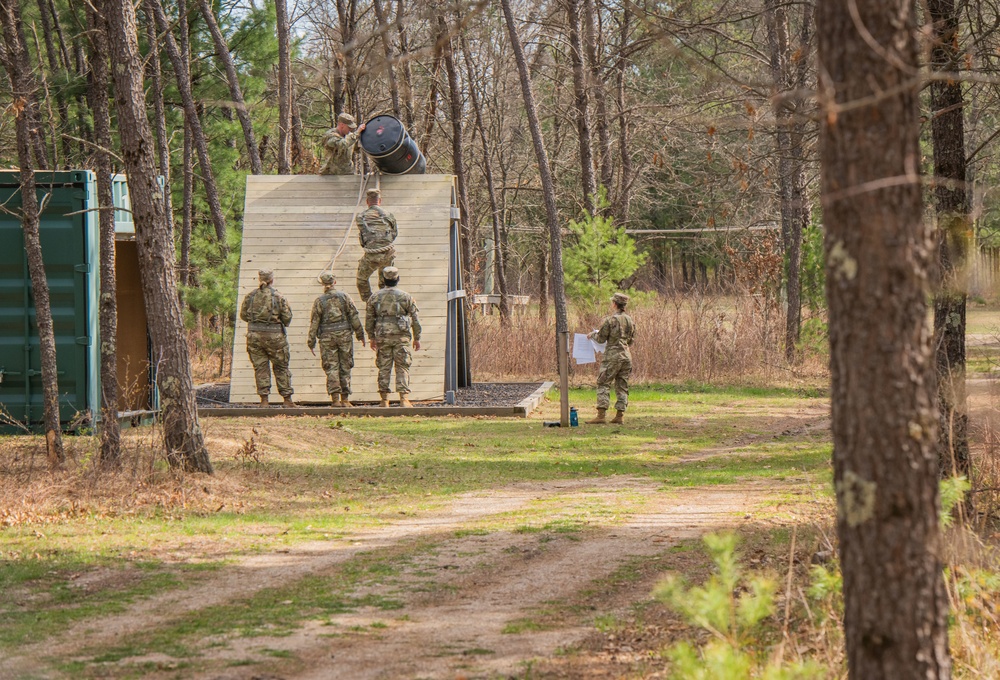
(70, 248)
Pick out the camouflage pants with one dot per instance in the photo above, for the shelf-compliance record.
(337, 354)
(615, 370)
(267, 349)
(394, 353)
(368, 263)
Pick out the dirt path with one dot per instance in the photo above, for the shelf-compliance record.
(459, 600)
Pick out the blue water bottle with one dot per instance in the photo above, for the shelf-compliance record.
(574, 419)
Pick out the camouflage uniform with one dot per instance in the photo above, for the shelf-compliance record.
(267, 314)
(334, 316)
(616, 365)
(391, 318)
(339, 151)
(376, 232)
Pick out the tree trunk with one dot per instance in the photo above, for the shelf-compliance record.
(17, 64)
(222, 51)
(548, 193)
(108, 308)
(390, 69)
(623, 204)
(183, 439)
(48, 33)
(580, 101)
(458, 151)
(407, 72)
(159, 115)
(187, 208)
(430, 114)
(884, 419)
(499, 254)
(954, 239)
(789, 137)
(596, 87)
(191, 114)
(284, 87)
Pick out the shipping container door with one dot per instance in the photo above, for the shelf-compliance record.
(64, 249)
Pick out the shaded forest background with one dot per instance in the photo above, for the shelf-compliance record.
(693, 120)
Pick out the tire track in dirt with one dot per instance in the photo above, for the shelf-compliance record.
(461, 633)
(255, 573)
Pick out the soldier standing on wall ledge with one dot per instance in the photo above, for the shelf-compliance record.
(338, 144)
(618, 330)
(376, 230)
(334, 317)
(390, 319)
(267, 315)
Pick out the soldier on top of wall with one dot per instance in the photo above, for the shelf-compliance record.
(390, 320)
(338, 144)
(618, 330)
(267, 315)
(376, 230)
(334, 317)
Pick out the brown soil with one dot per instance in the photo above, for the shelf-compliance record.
(475, 606)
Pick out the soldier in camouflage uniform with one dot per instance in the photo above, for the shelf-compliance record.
(376, 230)
(267, 315)
(338, 144)
(334, 317)
(390, 320)
(618, 330)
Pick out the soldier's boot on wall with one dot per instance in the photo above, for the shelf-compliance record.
(600, 419)
(344, 403)
(384, 396)
(263, 400)
(289, 403)
(404, 402)
(619, 418)
(335, 399)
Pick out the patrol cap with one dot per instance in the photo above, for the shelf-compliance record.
(327, 279)
(348, 120)
(373, 195)
(620, 299)
(265, 274)
(390, 274)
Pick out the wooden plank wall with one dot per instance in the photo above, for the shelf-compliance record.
(295, 223)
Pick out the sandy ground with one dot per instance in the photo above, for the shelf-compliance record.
(459, 627)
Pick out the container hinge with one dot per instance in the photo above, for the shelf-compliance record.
(455, 294)
(83, 340)
(82, 268)
(456, 214)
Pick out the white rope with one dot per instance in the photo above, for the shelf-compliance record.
(347, 232)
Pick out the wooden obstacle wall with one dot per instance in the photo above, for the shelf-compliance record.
(294, 224)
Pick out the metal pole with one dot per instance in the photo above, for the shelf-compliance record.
(563, 352)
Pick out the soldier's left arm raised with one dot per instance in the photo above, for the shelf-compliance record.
(415, 324)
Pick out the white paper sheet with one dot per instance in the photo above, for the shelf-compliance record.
(584, 349)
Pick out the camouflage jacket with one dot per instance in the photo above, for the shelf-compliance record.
(619, 332)
(376, 228)
(392, 314)
(266, 305)
(334, 313)
(339, 151)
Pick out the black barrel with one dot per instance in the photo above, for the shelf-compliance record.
(393, 150)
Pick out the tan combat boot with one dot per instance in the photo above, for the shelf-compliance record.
(600, 419)
(384, 396)
(619, 418)
(344, 403)
(404, 402)
(264, 401)
(289, 403)
(335, 400)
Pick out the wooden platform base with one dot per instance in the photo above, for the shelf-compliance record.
(520, 410)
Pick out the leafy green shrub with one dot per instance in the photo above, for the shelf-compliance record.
(733, 608)
(600, 258)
